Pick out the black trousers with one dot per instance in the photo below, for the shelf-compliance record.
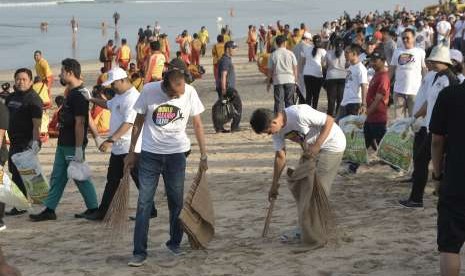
(420, 168)
(114, 175)
(283, 96)
(334, 92)
(313, 86)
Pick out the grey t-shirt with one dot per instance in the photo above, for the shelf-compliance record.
(389, 47)
(282, 62)
(225, 64)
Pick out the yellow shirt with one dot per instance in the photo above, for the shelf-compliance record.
(42, 90)
(292, 41)
(125, 52)
(102, 121)
(217, 52)
(155, 68)
(138, 84)
(203, 36)
(43, 69)
(226, 38)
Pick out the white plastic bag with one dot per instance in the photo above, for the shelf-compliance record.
(78, 171)
(396, 147)
(10, 194)
(31, 173)
(356, 150)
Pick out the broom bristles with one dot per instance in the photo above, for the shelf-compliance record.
(116, 219)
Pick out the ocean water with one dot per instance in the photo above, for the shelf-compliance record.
(20, 32)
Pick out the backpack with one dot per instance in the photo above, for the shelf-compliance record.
(102, 56)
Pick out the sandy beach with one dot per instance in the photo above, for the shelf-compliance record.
(374, 235)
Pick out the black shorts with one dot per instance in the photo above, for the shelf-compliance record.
(451, 225)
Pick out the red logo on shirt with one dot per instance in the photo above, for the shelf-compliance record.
(405, 59)
(165, 114)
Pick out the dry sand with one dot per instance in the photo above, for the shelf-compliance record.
(375, 236)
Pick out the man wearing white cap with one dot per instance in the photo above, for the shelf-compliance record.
(121, 121)
(435, 83)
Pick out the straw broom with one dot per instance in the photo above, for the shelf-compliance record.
(116, 218)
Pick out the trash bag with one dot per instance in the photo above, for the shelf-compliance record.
(78, 171)
(31, 173)
(222, 113)
(10, 194)
(396, 147)
(356, 150)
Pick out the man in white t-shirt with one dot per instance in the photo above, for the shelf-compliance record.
(458, 32)
(121, 121)
(356, 86)
(408, 66)
(163, 110)
(444, 29)
(315, 131)
(282, 71)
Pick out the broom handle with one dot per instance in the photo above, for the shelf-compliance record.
(268, 218)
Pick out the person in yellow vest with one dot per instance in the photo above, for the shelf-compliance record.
(217, 53)
(42, 90)
(43, 71)
(101, 116)
(293, 39)
(204, 38)
(123, 55)
(156, 64)
(252, 42)
(164, 45)
(140, 53)
(226, 36)
(196, 46)
(184, 41)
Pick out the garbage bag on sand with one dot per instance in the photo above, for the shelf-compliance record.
(10, 194)
(356, 150)
(396, 147)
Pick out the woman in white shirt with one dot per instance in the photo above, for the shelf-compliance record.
(314, 59)
(335, 76)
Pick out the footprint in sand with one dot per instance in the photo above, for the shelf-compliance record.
(367, 265)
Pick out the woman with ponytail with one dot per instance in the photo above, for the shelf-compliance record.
(335, 76)
(314, 60)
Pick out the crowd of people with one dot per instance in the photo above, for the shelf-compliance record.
(408, 62)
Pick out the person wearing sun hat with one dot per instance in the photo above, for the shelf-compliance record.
(441, 64)
(457, 60)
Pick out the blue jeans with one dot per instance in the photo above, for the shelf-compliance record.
(173, 168)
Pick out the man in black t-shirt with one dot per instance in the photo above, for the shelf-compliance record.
(72, 141)
(4, 117)
(25, 109)
(448, 142)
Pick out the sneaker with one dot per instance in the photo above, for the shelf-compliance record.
(2, 225)
(46, 214)
(410, 204)
(15, 212)
(86, 213)
(175, 251)
(137, 261)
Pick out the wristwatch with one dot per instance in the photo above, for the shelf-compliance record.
(110, 140)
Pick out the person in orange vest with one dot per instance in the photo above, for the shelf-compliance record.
(155, 64)
(109, 53)
(103, 76)
(43, 70)
(217, 53)
(196, 46)
(252, 42)
(140, 53)
(184, 44)
(123, 55)
(164, 45)
(53, 125)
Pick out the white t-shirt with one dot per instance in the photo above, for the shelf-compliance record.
(461, 78)
(122, 111)
(432, 95)
(336, 66)
(459, 25)
(356, 76)
(443, 27)
(166, 119)
(314, 64)
(422, 94)
(304, 124)
(409, 64)
(282, 62)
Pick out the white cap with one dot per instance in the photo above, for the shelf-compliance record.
(307, 35)
(440, 53)
(115, 74)
(456, 55)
